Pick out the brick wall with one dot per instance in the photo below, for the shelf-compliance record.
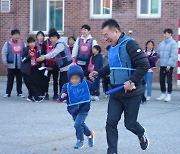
(77, 14)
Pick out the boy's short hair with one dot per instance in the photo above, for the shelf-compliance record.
(53, 32)
(111, 23)
(71, 37)
(168, 30)
(15, 31)
(86, 27)
(98, 48)
(30, 39)
(40, 32)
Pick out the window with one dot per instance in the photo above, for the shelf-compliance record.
(149, 8)
(101, 8)
(5, 6)
(46, 14)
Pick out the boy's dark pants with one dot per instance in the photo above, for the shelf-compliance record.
(163, 75)
(130, 107)
(106, 83)
(55, 73)
(80, 125)
(11, 74)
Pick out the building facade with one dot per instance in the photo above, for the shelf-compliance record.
(143, 19)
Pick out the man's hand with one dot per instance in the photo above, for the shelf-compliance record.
(64, 95)
(92, 74)
(168, 68)
(42, 58)
(128, 86)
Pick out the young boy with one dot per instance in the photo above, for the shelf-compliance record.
(77, 94)
(97, 60)
(30, 71)
(106, 79)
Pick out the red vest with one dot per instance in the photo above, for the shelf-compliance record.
(17, 48)
(49, 62)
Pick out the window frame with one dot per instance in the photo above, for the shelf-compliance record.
(9, 5)
(149, 15)
(47, 18)
(100, 16)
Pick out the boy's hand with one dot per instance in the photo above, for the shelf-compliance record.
(63, 95)
(31, 54)
(92, 74)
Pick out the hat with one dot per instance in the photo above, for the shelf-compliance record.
(75, 70)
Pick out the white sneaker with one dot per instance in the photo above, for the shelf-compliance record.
(168, 98)
(162, 97)
(96, 98)
(106, 96)
(148, 98)
(92, 98)
(21, 95)
(6, 95)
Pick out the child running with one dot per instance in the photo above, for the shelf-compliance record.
(77, 94)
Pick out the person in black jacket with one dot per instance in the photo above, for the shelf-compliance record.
(127, 66)
(97, 61)
(29, 68)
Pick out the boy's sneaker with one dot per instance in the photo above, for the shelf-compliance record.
(96, 98)
(162, 97)
(30, 99)
(144, 142)
(6, 95)
(39, 100)
(92, 98)
(148, 98)
(106, 96)
(168, 98)
(91, 139)
(79, 145)
(21, 95)
(46, 96)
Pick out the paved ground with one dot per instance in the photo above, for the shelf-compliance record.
(46, 128)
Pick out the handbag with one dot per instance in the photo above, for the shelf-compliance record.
(91, 65)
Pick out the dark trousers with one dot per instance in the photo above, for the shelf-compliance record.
(10, 80)
(163, 75)
(55, 74)
(130, 107)
(32, 82)
(85, 70)
(80, 126)
(63, 79)
(106, 83)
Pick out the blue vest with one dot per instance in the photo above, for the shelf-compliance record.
(85, 49)
(78, 94)
(120, 62)
(10, 55)
(63, 58)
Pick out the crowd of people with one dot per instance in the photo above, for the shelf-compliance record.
(73, 65)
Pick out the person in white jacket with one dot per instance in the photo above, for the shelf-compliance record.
(168, 53)
(82, 49)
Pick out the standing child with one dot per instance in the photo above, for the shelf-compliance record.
(97, 61)
(30, 71)
(40, 40)
(71, 41)
(106, 79)
(152, 57)
(77, 94)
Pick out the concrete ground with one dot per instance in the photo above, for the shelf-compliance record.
(47, 128)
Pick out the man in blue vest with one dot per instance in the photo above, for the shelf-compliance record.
(11, 57)
(127, 66)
